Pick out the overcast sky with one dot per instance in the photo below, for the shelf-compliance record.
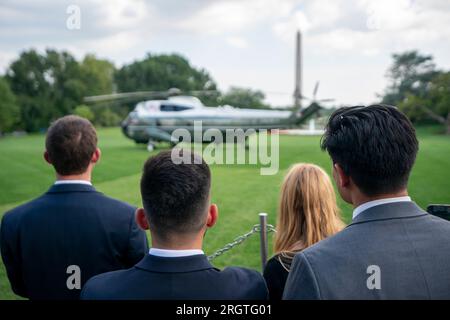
(347, 44)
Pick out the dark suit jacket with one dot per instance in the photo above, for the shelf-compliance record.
(410, 247)
(187, 278)
(71, 224)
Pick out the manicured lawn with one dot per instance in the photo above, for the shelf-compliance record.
(239, 190)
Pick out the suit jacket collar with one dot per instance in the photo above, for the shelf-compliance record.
(174, 265)
(386, 211)
(71, 187)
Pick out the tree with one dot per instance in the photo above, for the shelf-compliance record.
(418, 88)
(107, 118)
(97, 75)
(9, 110)
(162, 72)
(244, 98)
(85, 112)
(435, 104)
(410, 73)
(52, 84)
(47, 86)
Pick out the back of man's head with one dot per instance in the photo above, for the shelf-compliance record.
(70, 143)
(175, 196)
(376, 146)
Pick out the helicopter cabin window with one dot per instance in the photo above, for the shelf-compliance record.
(172, 107)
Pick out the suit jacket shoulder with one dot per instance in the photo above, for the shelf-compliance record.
(190, 277)
(391, 251)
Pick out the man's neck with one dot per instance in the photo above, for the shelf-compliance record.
(359, 198)
(177, 244)
(84, 177)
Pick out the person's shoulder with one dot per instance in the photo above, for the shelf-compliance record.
(103, 286)
(438, 222)
(241, 275)
(113, 203)
(15, 214)
(241, 272)
(250, 281)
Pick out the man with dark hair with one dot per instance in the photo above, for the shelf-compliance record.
(52, 245)
(177, 210)
(392, 249)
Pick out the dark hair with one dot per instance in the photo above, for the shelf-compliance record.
(175, 196)
(375, 145)
(71, 141)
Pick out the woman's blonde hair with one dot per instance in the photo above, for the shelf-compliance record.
(308, 211)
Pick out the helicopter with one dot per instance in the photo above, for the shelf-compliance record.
(154, 121)
(159, 113)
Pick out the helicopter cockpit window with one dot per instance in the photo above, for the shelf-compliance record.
(173, 107)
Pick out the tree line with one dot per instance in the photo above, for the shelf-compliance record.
(40, 87)
(418, 88)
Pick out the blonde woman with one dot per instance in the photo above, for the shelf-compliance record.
(307, 214)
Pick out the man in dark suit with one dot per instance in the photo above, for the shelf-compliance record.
(52, 245)
(392, 249)
(175, 189)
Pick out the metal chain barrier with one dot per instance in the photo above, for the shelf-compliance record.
(255, 229)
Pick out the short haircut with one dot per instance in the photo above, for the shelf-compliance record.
(375, 145)
(70, 143)
(175, 196)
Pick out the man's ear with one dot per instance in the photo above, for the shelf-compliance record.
(96, 155)
(141, 219)
(213, 215)
(341, 178)
(47, 157)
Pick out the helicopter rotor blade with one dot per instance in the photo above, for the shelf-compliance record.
(123, 95)
(201, 92)
(326, 100)
(144, 94)
(316, 88)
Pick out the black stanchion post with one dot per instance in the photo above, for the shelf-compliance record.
(263, 239)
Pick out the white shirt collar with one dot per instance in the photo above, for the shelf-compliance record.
(174, 253)
(57, 182)
(374, 203)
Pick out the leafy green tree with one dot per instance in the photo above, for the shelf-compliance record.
(52, 84)
(85, 112)
(9, 110)
(97, 75)
(107, 118)
(410, 73)
(244, 98)
(435, 104)
(47, 86)
(162, 72)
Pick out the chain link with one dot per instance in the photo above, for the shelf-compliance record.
(237, 241)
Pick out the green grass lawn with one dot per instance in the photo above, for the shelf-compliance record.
(239, 190)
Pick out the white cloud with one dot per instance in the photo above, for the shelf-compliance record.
(123, 14)
(341, 38)
(286, 28)
(221, 17)
(237, 42)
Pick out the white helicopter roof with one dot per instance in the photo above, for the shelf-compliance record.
(151, 106)
(186, 101)
(193, 107)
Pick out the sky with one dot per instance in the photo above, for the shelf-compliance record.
(347, 44)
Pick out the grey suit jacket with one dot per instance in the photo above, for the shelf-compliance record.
(390, 251)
